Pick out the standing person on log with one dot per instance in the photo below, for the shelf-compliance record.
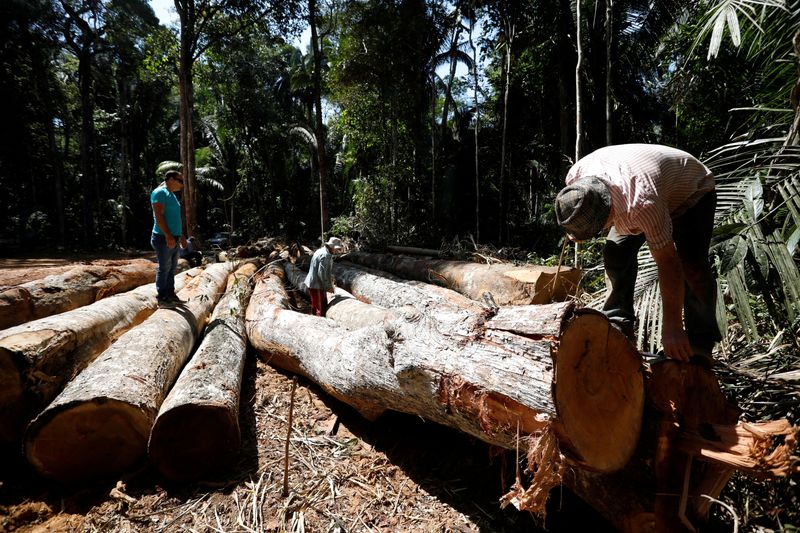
(666, 197)
(167, 233)
(319, 279)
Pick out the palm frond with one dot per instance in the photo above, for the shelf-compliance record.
(304, 133)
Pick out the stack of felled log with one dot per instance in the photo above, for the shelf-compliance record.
(475, 347)
(498, 352)
(91, 391)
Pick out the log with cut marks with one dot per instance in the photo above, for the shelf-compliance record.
(483, 379)
(99, 425)
(77, 287)
(197, 429)
(39, 357)
(508, 284)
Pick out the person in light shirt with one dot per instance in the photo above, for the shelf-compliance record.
(662, 196)
(319, 279)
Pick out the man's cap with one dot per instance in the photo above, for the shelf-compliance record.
(335, 242)
(582, 208)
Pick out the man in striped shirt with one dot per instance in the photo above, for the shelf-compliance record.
(666, 197)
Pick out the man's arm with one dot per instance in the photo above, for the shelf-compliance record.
(161, 221)
(670, 277)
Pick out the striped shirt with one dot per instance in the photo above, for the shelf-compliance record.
(650, 185)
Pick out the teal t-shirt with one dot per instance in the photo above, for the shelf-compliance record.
(172, 210)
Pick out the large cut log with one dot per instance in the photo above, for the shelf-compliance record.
(77, 287)
(39, 357)
(486, 382)
(99, 425)
(197, 431)
(684, 396)
(507, 284)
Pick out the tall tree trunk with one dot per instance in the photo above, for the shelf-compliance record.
(186, 13)
(88, 184)
(609, 39)
(319, 128)
(578, 84)
(434, 94)
(453, 63)
(123, 97)
(477, 127)
(509, 31)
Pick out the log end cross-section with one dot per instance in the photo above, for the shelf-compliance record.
(89, 440)
(207, 436)
(599, 392)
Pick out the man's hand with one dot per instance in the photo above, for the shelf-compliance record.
(170, 241)
(183, 242)
(676, 344)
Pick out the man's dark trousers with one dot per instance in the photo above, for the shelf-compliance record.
(691, 233)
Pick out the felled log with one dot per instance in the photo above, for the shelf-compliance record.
(99, 425)
(507, 284)
(413, 250)
(197, 431)
(77, 287)
(39, 357)
(342, 306)
(487, 382)
(260, 248)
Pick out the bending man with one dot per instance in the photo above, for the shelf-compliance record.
(663, 196)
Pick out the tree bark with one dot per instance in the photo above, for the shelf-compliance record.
(481, 378)
(507, 284)
(319, 127)
(38, 358)
(77, 287)
(99, 425)
(197, 430)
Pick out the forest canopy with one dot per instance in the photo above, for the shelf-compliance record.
(396, 122)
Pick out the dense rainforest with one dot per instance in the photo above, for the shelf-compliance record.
(429, 123)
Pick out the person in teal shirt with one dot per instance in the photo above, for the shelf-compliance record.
(167, 235)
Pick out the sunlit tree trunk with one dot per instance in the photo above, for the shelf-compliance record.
(187, 16)
(578, 111)
(509, 29)
(319, 128)
(609, 39)
(578, 83)
(477, 126)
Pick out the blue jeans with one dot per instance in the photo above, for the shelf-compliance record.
(167, 265)
(691, 233)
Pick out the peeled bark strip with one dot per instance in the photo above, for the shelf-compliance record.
(38, 358)
(75, 288)
(99, 425)
(486, 382)
(508, 284)
(197, 429)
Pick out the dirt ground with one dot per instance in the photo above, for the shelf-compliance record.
(399, 473)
